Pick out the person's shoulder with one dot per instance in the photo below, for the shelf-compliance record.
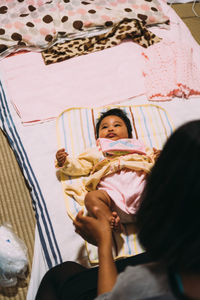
(149, 277)
(167, 296)
(141, 282)
(148, 268)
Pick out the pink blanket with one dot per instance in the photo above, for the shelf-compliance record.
(176, 65)
(40, 92)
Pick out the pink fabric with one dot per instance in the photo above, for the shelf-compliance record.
(41, 92)
(171, 71)
(121, 146)
(124, 188)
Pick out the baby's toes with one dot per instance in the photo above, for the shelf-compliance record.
(112, 222)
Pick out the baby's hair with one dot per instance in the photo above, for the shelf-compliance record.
(115, 112)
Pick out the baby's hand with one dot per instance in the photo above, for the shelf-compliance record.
(61, 157)
(156, 152)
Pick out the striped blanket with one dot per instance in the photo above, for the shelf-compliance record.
(76, 132)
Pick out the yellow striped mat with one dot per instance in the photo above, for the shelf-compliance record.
(76, 132)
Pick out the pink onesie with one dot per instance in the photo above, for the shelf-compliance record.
(124, 187)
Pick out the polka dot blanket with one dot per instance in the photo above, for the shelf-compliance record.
(38, 24)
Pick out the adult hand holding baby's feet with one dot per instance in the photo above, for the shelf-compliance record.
(96, 229)
(61, 157)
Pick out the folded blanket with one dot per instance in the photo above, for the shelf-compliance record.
(125, 29)
(173, 72)
(37, 24)
(76, 132)
(39, 92)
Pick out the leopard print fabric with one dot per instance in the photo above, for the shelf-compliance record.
(126, 29)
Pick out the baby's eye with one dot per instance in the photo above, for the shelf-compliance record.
(103, 127)
(116, 125)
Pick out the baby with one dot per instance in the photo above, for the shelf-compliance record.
(117, 168)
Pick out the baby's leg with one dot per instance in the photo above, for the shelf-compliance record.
(102, 200)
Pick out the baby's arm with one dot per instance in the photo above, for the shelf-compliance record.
(77, 166)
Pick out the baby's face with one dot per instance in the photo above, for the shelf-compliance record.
(114, 128)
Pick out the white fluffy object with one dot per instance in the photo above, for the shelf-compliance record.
(13, 257)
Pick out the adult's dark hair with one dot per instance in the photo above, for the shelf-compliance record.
(115, 112)
(168, 218)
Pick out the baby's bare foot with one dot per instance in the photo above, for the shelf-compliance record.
(115, 222)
